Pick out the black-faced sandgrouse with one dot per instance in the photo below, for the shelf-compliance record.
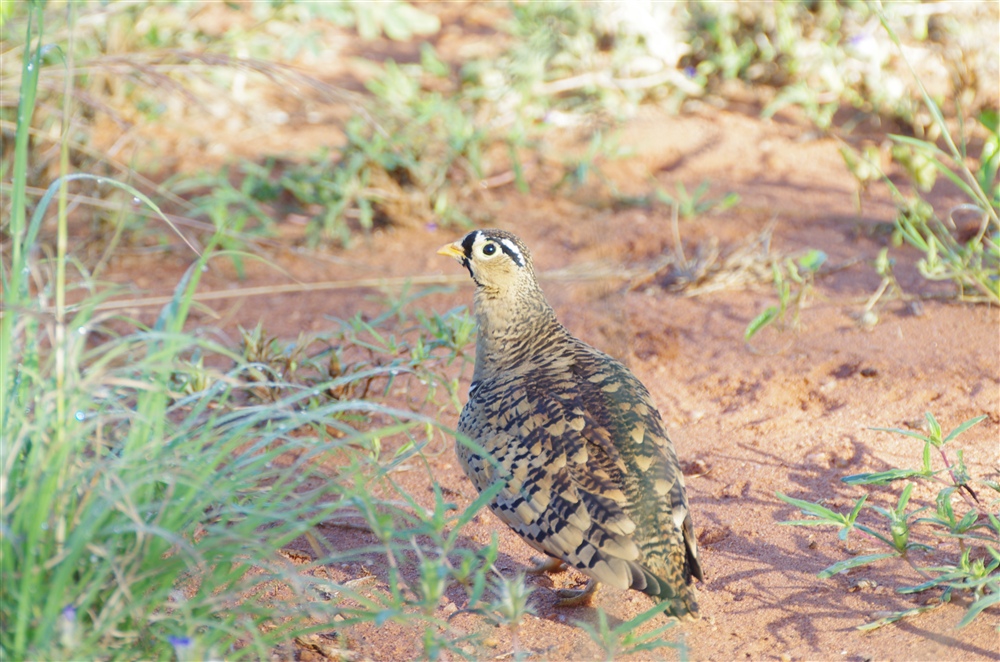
(590, 475)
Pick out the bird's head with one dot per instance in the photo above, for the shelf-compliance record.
(497, 261)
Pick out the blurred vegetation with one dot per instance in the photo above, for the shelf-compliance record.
(413, 132)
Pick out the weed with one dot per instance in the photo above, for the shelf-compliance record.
(625, 640)
(966, 253)
(972, 261)
(972, 567)
(868, 318)
(964, 248)
(690, 205)
(975, 263)
(511, 604)
(793, 281)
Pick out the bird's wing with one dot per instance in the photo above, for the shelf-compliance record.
(583, 451)
(652, 479)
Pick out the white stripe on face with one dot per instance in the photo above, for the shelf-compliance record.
(514, 250)
(469, 241)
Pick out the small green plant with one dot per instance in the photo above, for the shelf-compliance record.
(883, 267)
(798, 274)
(865, 168)
(625, 640)
(970, 565)
(399, 20)
(510, 605)
(690, 205)
(578, 171)
(971, 262)
(238, 213)
(968, 254)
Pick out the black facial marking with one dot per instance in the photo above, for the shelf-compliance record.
(512, 254)
(467, 243)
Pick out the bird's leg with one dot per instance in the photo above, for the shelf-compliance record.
(569, 597)
(547, 564)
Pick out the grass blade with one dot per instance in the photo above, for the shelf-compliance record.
(854, 562)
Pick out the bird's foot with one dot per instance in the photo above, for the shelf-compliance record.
(547, 564)
(584, 597)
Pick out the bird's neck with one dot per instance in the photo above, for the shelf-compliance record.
(510, 332)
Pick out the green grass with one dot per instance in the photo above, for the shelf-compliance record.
(794, 279)
(960, 534)
(972, 262)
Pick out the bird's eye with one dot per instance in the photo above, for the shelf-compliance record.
(489, 249)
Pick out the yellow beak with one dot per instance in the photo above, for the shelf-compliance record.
(454, 250)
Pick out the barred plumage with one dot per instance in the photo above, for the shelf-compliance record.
(590, 476)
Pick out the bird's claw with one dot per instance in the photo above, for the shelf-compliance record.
(546, 565)
(584, 597)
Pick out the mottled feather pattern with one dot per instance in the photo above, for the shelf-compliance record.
(608, 509)
(590, 476)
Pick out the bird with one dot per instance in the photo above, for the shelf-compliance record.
(589, 475)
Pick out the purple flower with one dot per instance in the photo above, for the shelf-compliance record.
(689, 72)
(182, 646)
(67, 627)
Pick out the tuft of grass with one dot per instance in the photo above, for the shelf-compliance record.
(793, 281)
(962, 245)
(624, 640)
(972, 261)
(693, 204)
(962, 543)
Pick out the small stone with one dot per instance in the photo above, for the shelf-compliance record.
(785, 657)
(695, 468)
(491, 642)
(868, 320)
(734, 490)
(863, 585)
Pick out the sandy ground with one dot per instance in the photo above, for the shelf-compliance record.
(790, 411)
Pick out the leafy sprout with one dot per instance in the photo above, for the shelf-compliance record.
(899, 524)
